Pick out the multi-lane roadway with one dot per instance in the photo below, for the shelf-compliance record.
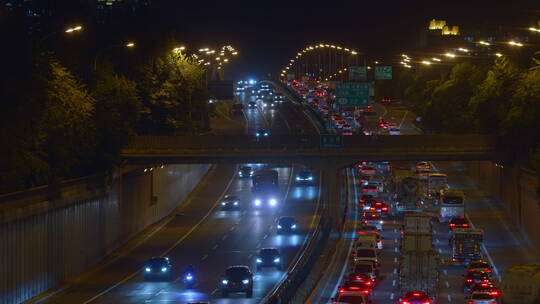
(211, 239)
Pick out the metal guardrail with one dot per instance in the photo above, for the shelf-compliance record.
(286, 290)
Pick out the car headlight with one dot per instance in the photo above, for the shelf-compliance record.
(276, 260)
(222, 203)
(225, 282)
(236, 203)
(266, 134)
(259, 261)
(293, 226)
(258, 202)
(245, 281)
(279, 227)
(257, 134)
(310, 178)
(147, 269)
(298, 178)
(273, 202)
(164, 269)
(380, 222)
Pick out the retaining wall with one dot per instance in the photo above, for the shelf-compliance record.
(50, 234)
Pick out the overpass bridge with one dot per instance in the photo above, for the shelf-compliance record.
(245, 148)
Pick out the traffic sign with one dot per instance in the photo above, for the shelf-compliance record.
(350, 94)
(357, 73)
(383, 72)
(331, 141)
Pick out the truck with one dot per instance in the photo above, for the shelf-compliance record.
(265, 188)
(407, 197)
(417, 222)
(521, 284)
(419, 271)
(466, 244)
(416, 241)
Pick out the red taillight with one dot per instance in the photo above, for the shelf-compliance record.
(452, 225)
(405, 302)
(384, 208)
(465, 225)
(369, 283)
(495, 293)
(418, 167)
(416, 294)
(365, 291)
(469, 280)
(341, 290)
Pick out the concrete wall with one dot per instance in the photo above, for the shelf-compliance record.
(516, 188)
(48, 235)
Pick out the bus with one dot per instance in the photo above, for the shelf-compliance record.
(452, 203)
(265, 188)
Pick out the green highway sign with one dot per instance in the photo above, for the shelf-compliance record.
(351, 94)
(357, 73)
(383, 72)
(331, 141)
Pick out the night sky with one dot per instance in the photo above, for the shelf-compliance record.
(269, 33)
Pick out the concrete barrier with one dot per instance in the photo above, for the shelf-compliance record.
(50, 234)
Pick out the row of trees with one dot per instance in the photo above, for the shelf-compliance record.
(55, 124)
(500, 97)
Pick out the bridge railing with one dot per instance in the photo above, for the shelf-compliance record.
(288, 143)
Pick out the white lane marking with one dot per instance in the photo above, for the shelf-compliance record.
(204, 257)
(396, 240)
(232, 228)
(437, 241)
(447, 284)
(250, 256)
(395, 230)
(403, 119)
(395, 249)
(259, 245)
(440, 250)
(265, 236)
(449, 298)
(445, 272)
(395, 260)
(215, 247)
(395, 270)
(171, 247)
(224, 237)
(214, 291)
(487, 252)
(394, 283)
(392, 296)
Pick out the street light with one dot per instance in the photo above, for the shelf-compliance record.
(74, 29)
(450, 55)
(498, 54)
(426, 62)
(533, 29)
(463, 50)
(513, 43)
(129, 45)
(484, 43)
(180, 48)
(436, 59)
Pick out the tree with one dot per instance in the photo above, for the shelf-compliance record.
(491, 100)
(174, 97)
(117, 109)
(65, 120)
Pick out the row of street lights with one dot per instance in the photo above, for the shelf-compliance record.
(321, 47)
(225, 52)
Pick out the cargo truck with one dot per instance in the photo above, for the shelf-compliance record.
(417, 222)
(416, 241)
(407, 187)
(521, 284)
(419, 271)
(466, 245)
